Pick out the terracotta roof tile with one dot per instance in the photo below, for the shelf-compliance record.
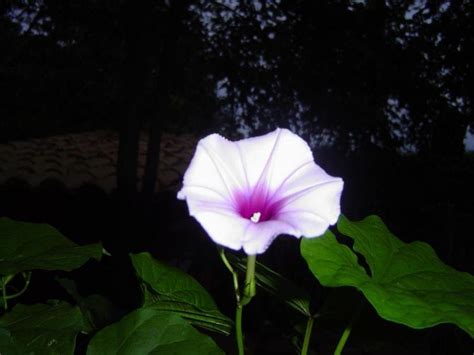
(90, 158)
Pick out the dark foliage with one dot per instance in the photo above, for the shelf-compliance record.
(396, 74)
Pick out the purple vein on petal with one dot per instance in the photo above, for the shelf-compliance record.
(226, 198)
(215, 157)
(228, 212)
(296, 195)
(214, 204)
(243, 167)
(317, 215)
(278, 189)
(264, 175)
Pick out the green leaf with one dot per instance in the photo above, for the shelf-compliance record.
(211, 320)
(31, 246)
(277, 285)
(149, 331)
(40, 329)
(169, 289)
(7, 343)
(97, 311)
(407, 284)
(332, 263)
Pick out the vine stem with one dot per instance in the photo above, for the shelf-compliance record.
(347, 331)
(5, 281)
(307, 336)
(238, 329)
(235, 278)
(247, 294)
(25, 287)
(250, 288)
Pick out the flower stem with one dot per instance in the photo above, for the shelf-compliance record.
(249, 288)
(347, 331)
(242, 300)
(307, 336)
(248, 293)
(238, 329)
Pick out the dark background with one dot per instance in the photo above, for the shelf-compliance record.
(382, 90)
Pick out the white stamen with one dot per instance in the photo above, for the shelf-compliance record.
(255, 217)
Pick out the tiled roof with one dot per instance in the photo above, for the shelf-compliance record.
(90, 158)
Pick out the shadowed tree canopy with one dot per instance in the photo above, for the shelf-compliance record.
(63, 67)
(354, 74)
(394, 73)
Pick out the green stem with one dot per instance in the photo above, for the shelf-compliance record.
(347, 331)
(307, 336)
(235, 278)
(250, 288)
(247, 295)
(5, 281)
(22, 291)
(238, 329)
(4, 297)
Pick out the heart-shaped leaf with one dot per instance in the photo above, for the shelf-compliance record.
(149, 331)
(169, 289)
(408, 284)
(40, 329)
(31, 246)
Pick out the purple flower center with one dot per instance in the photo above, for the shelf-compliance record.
(256, 204)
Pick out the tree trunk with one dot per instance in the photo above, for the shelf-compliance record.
(165, 78)
(152, 160)
(137, 20)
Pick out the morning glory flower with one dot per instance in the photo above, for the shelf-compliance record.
(246, 193)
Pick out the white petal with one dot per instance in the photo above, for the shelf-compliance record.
(224, 229)
(217, 166)
(304, 176)
(314, 208)
(309, 224)
(259, 236)
(204, 199)
(271, 158)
